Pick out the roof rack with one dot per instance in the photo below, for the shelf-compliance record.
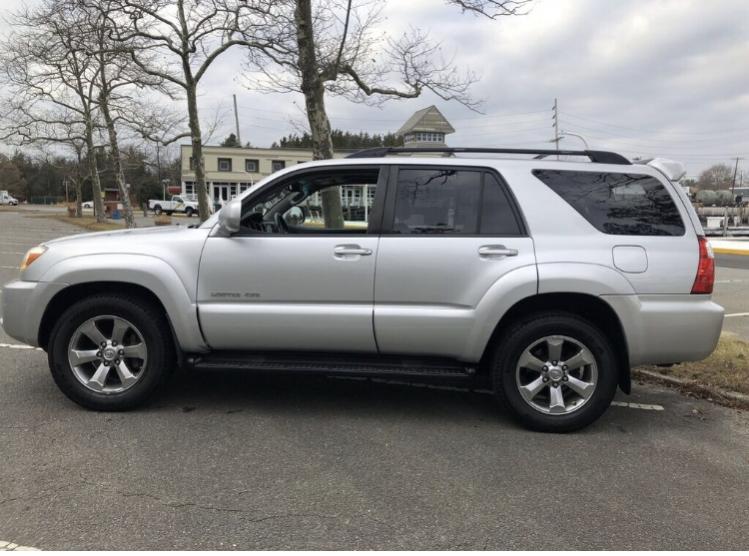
(602, 157)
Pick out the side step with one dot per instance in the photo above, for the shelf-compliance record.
(333, 364)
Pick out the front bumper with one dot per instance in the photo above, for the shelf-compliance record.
(22, 306)
(662, 329)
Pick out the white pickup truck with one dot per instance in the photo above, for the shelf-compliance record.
(178, 203)
(7, 199)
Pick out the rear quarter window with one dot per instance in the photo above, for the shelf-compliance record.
(617, 203)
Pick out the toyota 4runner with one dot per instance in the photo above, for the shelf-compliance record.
(544, 279)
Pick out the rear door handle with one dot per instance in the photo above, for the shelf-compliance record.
(490, 251)
(351, 249)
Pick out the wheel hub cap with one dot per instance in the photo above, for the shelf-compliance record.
(556, 373)
(109, 353)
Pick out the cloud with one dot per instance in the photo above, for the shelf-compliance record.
(644, 77)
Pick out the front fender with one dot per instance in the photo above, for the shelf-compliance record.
(146, 271)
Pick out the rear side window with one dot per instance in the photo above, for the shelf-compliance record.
(446, 201)
(617, 203)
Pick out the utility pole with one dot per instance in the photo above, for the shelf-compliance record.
(735, 171)
(236, 120)
(158, 170)
(555, 117)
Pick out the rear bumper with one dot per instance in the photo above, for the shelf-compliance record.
(668, 328)
(22, 306)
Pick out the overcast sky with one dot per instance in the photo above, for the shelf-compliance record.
(643, 77)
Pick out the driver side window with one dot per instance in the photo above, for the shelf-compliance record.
(314, 203)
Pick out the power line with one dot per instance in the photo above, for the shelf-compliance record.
(643, 130)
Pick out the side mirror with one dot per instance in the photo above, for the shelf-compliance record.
(230, 216)
(294, 216)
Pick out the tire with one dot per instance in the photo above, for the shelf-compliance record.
(189, 212)
(545, 335)
(148, 368)
(157, 210)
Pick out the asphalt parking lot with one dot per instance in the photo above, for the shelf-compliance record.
(225, 460)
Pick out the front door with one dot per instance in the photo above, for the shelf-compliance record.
(299, 275)
(449, 234)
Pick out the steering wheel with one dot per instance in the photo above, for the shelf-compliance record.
(281, 224)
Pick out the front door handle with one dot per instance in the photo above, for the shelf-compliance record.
(491, 251)
(351, 249)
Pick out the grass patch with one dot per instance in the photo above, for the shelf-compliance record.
(727, 368)
(86, 222)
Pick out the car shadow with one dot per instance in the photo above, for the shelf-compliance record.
(234, 392)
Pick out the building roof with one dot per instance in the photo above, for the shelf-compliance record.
(427, 119)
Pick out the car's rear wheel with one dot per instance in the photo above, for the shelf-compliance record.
(189, 212)
(108, 352)
(557, 372)
(157, 210)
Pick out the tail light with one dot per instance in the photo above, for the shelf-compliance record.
(703, 282)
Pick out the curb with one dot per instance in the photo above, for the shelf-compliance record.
(723, 397)
(728, 251)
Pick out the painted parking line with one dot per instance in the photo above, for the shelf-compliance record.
(631, 405)
(5, 545)
(731, 315)
(19, 346)
(10, 267)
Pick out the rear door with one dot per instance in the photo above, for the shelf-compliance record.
(449, 233)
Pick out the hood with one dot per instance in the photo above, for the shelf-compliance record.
(135, 234)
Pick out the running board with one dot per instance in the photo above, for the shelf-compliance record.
(333, 364)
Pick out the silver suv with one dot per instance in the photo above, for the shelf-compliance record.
(545, 279)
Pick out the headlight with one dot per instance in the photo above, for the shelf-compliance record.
(31, 255)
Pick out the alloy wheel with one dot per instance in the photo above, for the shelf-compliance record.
(556, 375)
(107, 354)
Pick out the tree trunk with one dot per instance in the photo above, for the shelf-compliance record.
(204, 207)
(313, 89)
(114, 147)
(78, 186)
(94, 171)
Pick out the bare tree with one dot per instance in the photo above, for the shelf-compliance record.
(51, 86)
(492, 8)
(335, 48)
(178, 40)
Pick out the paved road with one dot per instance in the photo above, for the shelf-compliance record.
(227, 460)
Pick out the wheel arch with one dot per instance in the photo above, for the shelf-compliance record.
(66, 297)
(590, 307)
(147, 275)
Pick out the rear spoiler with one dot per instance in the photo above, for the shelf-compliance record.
(672, 169)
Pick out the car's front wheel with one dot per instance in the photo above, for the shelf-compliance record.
(110, 352)
(189, 212)
(557, 372)
(157, 210)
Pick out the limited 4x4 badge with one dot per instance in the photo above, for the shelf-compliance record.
(235, 295)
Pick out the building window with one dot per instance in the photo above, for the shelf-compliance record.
(251, 165)
(277, 165)
(189, 188)
(224, 164)
(424, 137)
